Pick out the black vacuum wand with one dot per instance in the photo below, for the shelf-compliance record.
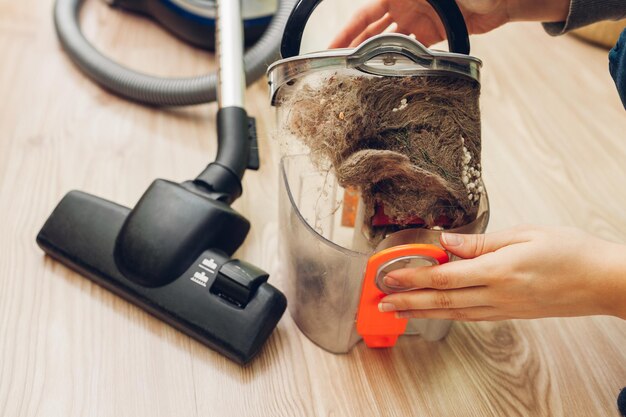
(170, 255)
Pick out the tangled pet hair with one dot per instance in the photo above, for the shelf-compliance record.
(410, 144)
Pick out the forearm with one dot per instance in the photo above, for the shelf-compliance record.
(611, 294)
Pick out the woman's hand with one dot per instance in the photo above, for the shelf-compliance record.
(417, 17)
(526, 272)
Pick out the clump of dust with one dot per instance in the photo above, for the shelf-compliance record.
(409, 144)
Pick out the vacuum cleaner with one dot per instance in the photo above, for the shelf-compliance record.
(171, 254)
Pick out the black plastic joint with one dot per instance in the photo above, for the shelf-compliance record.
(233, 153)
(234, 142)
(221, 181)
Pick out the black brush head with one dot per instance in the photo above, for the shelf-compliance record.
(223, 303)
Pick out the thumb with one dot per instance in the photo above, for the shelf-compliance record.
(472, 246)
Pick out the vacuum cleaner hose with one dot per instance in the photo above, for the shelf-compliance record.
(153, 90)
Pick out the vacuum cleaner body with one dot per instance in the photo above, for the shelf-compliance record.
(194, 20)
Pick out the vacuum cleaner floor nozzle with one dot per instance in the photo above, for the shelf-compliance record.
(223, 303)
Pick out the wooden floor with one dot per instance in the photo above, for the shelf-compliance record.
(554, 153)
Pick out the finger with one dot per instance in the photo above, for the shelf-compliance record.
(373, 30)
(472, 246)
(369, 14)
(458, 314)
(424, 30)
(423, 22)
(436, 299)
(428, 39)
(459, 274)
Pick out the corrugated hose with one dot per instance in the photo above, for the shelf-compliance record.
(153, 90)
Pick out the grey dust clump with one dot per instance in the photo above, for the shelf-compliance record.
(410, 144)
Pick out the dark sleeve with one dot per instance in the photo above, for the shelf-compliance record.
(617, 66)
(586, 12)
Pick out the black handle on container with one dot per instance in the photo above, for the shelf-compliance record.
(448, 11)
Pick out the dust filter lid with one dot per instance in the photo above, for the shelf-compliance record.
(385, 55)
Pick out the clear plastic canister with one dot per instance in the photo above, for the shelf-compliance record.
(323, 272)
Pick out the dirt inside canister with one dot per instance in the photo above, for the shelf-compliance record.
(411, 146)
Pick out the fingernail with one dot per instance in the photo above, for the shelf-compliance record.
(385, 307)
(391, 282)
(452, 239)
